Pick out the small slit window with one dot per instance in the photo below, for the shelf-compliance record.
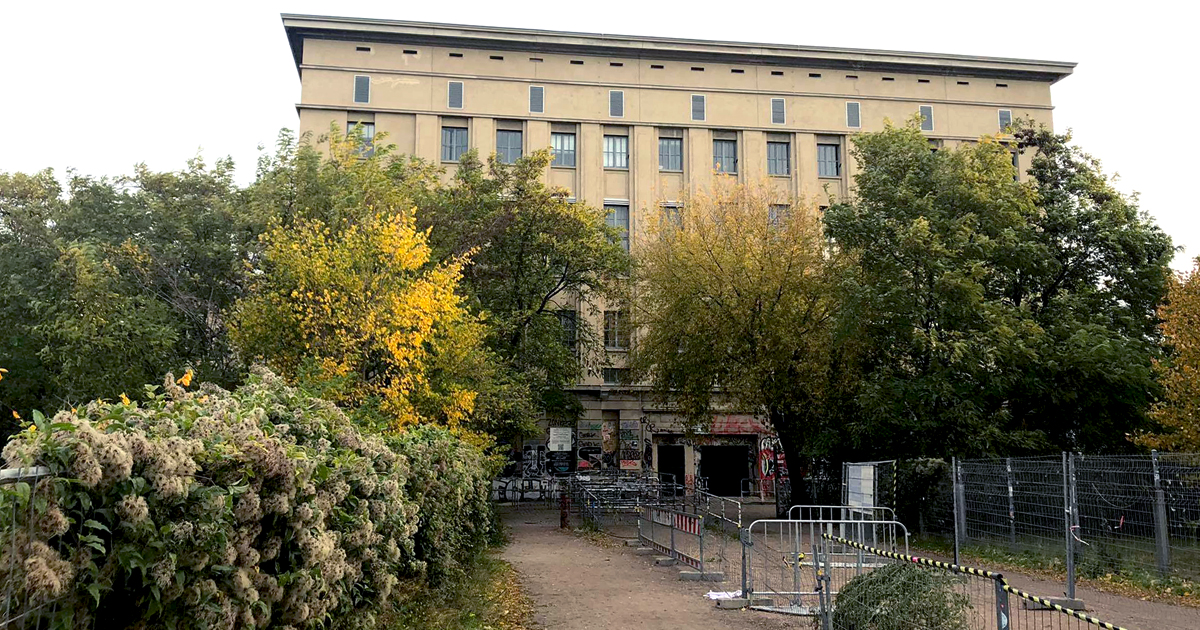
(853, 115)
(1001, 85)
(577, 62)
(616, 103)
(537, 99)
(737, 71)
(454, 95)
(410, 52)
(698, 107)
(778, 111)
(814, 75)
(362, 89)
(889, 78)
(362, 48)
(536, 59)
(964, 83)
(777, 73)
(851, 76)
(697, 69)
(456, 54)
(655, 66)
(922, 80)
(496, 57)
(615, 64)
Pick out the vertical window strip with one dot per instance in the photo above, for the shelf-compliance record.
(778, 162)
(616, 103)
(616, 151)
(926, 118)
(828, 160)
(362, 89)
(1005, 119)
(778, 111)
(670, 154)
(454, 95)
(537, 99)
(725, 156)
(618, 217)
(853, 115)
(563, 147)
(698, 107)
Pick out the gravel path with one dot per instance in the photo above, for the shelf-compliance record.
(577, 584)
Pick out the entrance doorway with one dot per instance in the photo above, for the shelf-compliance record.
(725, 466)
(670, 463)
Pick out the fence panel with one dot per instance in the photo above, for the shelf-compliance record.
(22, 503)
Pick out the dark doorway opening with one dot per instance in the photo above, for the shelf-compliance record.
(725, 467)
(670, 463)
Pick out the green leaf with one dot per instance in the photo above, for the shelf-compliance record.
(93, 524)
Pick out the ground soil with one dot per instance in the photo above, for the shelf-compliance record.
(575, 583)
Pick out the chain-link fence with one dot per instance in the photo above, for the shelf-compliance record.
(1132, 516)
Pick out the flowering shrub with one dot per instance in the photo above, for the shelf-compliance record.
(260, 507)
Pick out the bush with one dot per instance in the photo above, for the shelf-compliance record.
(901, 597)
(261, 507)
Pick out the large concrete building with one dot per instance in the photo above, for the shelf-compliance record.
(633, 122)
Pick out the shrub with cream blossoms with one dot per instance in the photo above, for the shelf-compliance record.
(257, 508)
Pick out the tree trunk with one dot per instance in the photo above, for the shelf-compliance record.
(789, 428)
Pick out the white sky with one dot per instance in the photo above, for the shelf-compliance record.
(100, 86)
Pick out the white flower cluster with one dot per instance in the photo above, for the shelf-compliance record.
(256, 508)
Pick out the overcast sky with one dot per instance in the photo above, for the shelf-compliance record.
(100, 86)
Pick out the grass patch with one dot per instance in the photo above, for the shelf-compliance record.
(490, 598)
(1089, 571)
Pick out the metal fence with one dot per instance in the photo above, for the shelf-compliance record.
(1134, 516)
(902, 591)
(22, 503)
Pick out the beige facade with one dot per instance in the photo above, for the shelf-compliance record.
(645, 100)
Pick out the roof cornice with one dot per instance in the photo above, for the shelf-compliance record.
(299, 27)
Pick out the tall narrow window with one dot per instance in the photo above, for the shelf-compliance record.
(926, 118)
(1005, 119)
(698, 112)
(537, 99)
(508, 145)
(616, 103)
(367, 131)
(616, 151)
(569, 320)
(725, 156)
(454, 95)
(672, 216)
(1016, 162)
(563, 146)
(618, 217)
(670, 154)
(853, 115)
(829, 161)
(616, 330)
(778, 158)
(362, 89)
(454, 143)
(778, 111)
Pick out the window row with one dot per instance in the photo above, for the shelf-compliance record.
(510, 143)
(616, 105)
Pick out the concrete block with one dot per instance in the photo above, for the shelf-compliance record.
(644, 551)
(689, 575)
(735, 603)
(713, 576)
(633, 542)
(663, 561)
(761, 601)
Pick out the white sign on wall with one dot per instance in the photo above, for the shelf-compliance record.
(560, 438)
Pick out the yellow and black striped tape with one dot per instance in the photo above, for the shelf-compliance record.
(1066, 611)
(947, 566)
(977, 572)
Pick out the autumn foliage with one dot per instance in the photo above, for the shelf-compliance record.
(1179, 410)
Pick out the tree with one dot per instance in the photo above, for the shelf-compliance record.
(734, 307)
(989, 315)
(1178, 412)
(109, 283)
(535, 259)
(347, 300)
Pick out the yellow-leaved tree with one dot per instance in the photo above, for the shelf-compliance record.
(346, 301)
(1179, 410)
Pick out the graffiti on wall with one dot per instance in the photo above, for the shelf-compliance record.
(533, 460)
(630, 439)
(589, 444)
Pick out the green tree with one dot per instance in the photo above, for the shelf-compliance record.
(111, 282)
(1178, 413)
(536, 258)
(734, 305)
(989, 315)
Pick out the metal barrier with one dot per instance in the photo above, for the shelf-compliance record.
(972, 598)
(778, 573)
(678, 535)
(723, 508)
(21, 608)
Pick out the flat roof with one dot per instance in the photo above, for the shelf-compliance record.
(299, 27)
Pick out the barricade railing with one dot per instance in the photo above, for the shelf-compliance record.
(723, 508)
(675, 534)
(980, 598)
(778, 573)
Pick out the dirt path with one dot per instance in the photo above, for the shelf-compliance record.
(576, 584)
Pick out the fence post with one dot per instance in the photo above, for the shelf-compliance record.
(673, 536)
(1162, 547)
(795, 599)
(1012, 510)
(701, 547)
(958, 508)
(747, 542)
(1002, 612)
(1067, 520)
